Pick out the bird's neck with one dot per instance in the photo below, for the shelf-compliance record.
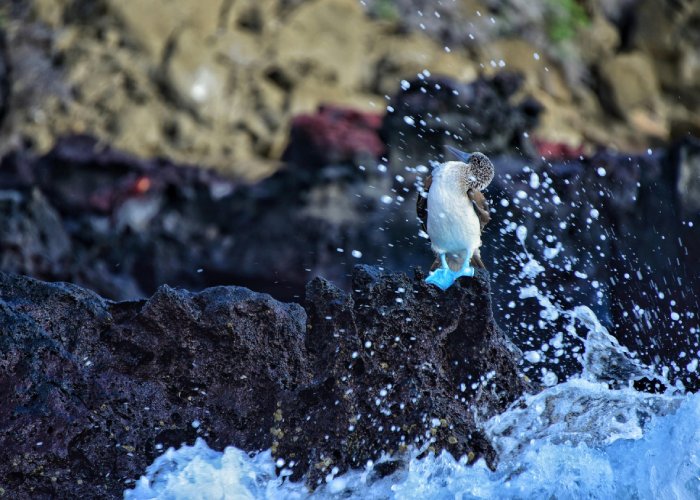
(450, 176)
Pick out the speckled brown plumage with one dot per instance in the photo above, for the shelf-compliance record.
(479, 172)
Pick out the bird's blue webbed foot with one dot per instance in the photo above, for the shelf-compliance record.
(441, 278)
(444, 277)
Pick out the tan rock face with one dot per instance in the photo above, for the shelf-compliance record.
(669, 34)
(49, 11)
(565, 117)
(631, 81)
(598, 40)
(519, 55)
(216, 82)
(196, 79)
(329, 40)
(400, 57)
(631, 88)
(152, 23)
(210, 82)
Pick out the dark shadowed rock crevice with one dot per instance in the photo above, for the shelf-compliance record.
(94, 390)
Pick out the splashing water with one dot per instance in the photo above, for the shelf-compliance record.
(592, 435)
(577, 439)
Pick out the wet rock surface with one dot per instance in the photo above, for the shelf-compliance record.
(396, 363)
(95, 389)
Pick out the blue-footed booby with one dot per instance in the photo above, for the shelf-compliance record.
(453, 212)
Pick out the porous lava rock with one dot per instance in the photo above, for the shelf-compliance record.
(396, 363)
(94, 390)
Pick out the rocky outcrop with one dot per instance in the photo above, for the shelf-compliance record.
(572, 54)
(631, 89)
(219, 83)
(210, 82)
(396, 363)
(93, 390)
(674, 55)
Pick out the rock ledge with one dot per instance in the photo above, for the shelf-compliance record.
(94, 390)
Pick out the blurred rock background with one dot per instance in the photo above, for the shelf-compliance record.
(218, 82)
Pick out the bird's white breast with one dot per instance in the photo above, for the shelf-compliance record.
(453, 225)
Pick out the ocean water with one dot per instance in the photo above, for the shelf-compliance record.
(578, 439)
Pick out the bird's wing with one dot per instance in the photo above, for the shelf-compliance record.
(481, 206)
(422, 203)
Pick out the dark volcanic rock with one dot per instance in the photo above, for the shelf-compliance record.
(133, 224)
(93, 390)
(136, 224)
(396, 363)
(32, 237)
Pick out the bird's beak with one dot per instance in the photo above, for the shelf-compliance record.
(459, 154)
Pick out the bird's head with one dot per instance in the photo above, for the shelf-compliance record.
(480, 170)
